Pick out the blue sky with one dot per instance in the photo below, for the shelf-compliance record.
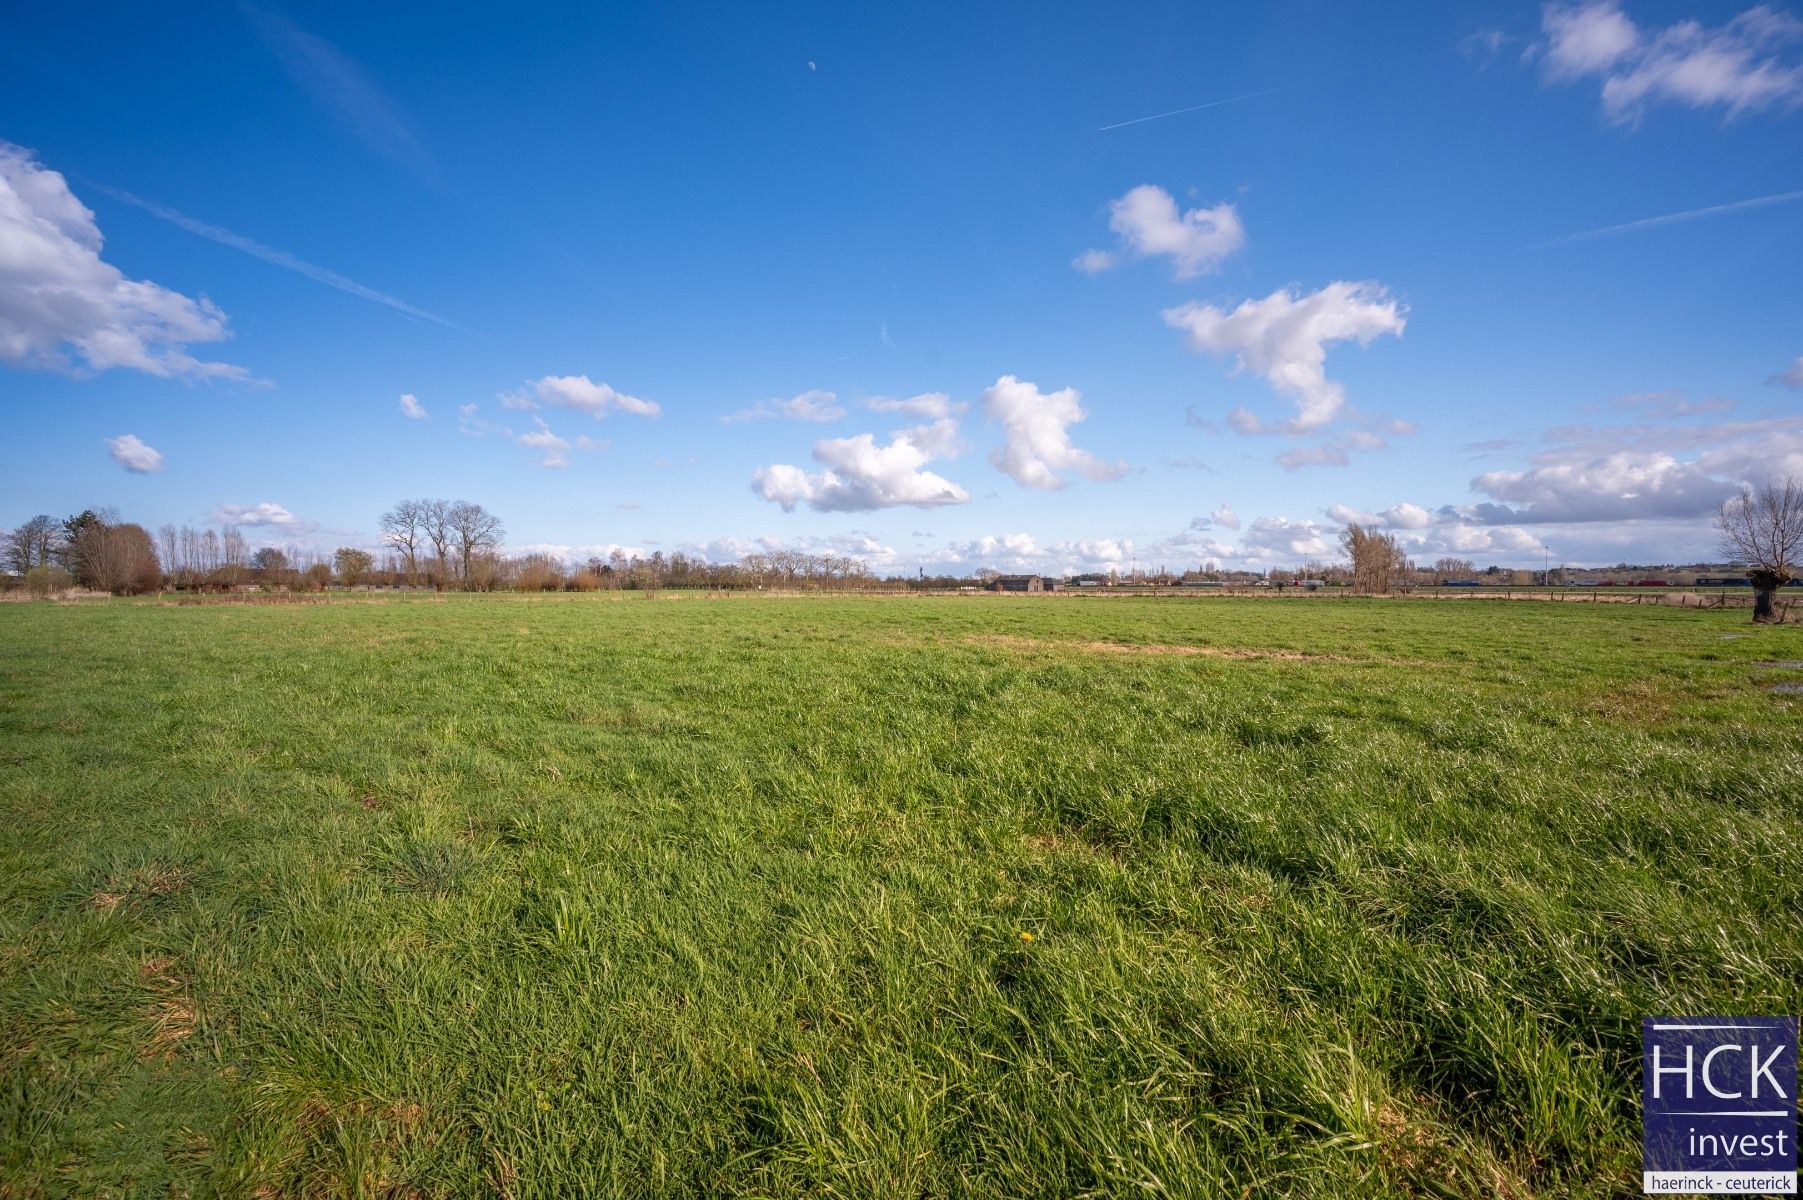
(914, 284)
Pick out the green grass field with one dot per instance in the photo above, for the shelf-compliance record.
(591, 896)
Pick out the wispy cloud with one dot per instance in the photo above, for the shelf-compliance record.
(1258, 95)
(812, 405)
(1740, 66)
(1677, 218)
(271, 255)
(580, 393)
(337, 84)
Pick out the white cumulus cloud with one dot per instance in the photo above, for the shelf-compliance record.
(1620, 486)
(1792, 378)
(571, 555)
(1279, 538)
(1741, 66)
(1225, 517)
(861, 475)
(1036, 431)
(1397, 516)
(62, 307)
(267, 513)
(1022, 552)
(1283, 338)
(1148, 223)
(1406, 516)
(411, 408)
(132, 454)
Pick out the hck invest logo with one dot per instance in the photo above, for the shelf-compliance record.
(1720, 1111)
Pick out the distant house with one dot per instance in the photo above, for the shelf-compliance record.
(1018, 583)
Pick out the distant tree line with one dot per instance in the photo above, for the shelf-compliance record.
(459, 545)
(438, 544)
(622, 572)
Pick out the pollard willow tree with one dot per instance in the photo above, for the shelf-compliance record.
(1763, 528)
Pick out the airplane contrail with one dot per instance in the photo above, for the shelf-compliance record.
(1694, 214)
(271, 255)
(1288, 87)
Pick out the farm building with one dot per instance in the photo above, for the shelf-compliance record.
(1019, 583)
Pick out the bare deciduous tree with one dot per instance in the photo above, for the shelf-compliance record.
(476, 534)
(33, 544)
(464, 538)
(435, 521)
(113, 558)
(1763, 529)
(1453, 568)
(403, 527)
(169, 549)
(1378, 561)
(234, 556)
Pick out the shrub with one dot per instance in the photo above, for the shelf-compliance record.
(48, 581)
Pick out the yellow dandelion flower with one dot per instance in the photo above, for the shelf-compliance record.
(1025, 936)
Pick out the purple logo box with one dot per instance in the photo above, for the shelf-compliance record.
(1720, 1096)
